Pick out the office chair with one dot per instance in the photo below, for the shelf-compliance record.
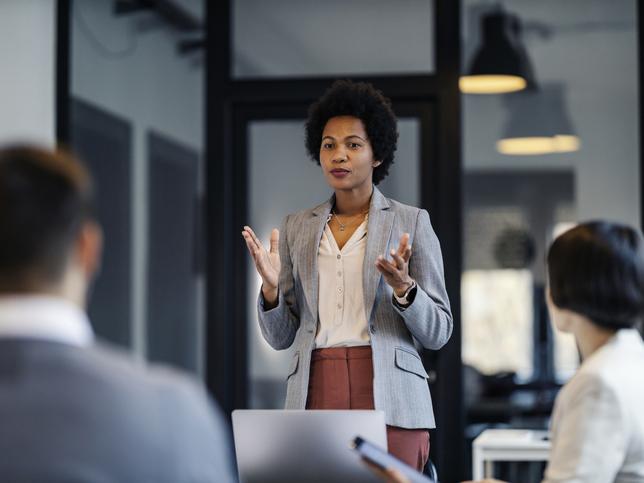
(430, 471)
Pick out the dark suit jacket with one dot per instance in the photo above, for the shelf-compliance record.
(70, 414)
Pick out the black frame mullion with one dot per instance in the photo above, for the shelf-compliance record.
(63, 69)
(219, 201)
(296, 89)
(640, 48)
(448, 215)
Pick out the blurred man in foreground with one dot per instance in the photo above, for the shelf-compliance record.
(73, 409)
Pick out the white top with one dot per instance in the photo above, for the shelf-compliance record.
(341, 310)
(44, 317)
(598, 419)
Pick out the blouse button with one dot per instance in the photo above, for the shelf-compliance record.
(339, 257)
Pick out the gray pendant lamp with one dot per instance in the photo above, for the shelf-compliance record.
(538, 123)
(501, 64)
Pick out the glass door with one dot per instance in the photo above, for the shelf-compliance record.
(282, 180)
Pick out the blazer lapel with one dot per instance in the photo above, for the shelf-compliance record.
(311, 236)
(378, 233)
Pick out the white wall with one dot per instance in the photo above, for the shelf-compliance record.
(129, 66)
(27, 75)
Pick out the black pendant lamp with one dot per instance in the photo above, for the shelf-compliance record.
(501, 64)
(538, 123)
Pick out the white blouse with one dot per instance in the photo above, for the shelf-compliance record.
(341, 310)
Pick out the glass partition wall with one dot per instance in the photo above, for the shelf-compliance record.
(306, 38)
(273, 150)
(136, 117)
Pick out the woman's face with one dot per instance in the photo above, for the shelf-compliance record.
(346, 156)
(559, 317)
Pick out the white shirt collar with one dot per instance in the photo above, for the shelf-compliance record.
(45, 318)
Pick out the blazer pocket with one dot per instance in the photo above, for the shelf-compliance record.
(294, 363)
(409, 362)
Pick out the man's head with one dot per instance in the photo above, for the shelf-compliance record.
(49, 242)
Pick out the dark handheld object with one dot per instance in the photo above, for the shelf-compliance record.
(384, 461)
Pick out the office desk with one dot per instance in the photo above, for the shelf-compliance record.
(507, 445)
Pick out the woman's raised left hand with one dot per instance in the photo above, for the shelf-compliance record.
(396, 270)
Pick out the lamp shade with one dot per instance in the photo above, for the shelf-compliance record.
(538, 123)
(501, 64)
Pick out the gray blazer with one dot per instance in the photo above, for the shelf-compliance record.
(91, 415)
(400, 381)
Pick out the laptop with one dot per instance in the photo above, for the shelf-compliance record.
(312, 446)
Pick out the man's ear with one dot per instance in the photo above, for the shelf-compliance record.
(377, 163)
(89, 248)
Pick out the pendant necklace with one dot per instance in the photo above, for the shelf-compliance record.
(343, 225)
(337, 218)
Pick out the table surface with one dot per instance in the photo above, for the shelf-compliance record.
(514, 439)
(507, 445)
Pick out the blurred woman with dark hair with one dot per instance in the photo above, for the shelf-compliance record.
(596, 292)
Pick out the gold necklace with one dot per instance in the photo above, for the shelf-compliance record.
(344, 225)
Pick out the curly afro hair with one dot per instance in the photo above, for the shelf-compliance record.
(361, 100)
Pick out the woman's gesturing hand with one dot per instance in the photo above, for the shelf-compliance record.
(267, 263)
(396, 271)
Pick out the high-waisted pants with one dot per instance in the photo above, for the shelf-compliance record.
(342, 378)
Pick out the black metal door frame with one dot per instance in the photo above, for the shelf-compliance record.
(243, 115)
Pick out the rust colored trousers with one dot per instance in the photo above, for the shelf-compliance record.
(342, 378)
